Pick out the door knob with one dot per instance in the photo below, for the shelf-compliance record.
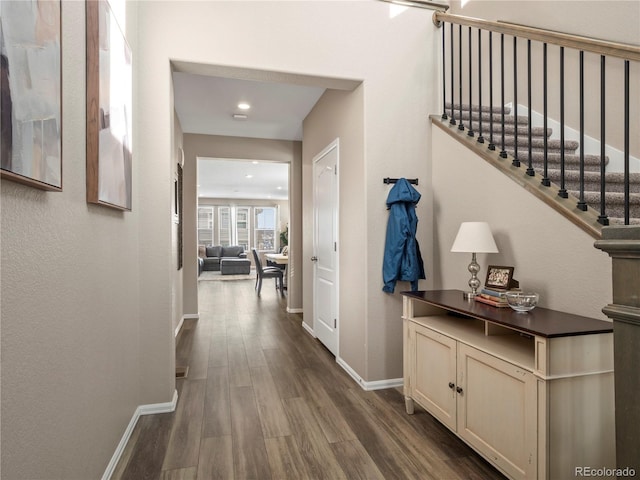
(314, 259)
(451, 385)
(459, 390)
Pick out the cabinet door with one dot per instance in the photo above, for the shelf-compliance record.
(497, 411)
(435, 374)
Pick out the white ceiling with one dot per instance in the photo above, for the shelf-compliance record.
(206, 105)
(223, 178)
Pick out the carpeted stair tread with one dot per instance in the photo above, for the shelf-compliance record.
(614, 181)
(537, 143)
(486, 117)
(620, 221)
(591, 162)
(475, 108)
(508, 130)
(613, 198)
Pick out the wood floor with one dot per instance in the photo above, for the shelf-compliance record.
(264, 400)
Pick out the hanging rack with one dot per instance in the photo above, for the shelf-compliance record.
(412, 181)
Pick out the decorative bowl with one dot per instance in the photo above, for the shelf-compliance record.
(522, 302)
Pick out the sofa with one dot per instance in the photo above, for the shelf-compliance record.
(215, 253)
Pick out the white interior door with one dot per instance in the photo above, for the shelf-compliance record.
(325, 237)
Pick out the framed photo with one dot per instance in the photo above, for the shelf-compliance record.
(109, 107)
(31, 93)
(498, 277)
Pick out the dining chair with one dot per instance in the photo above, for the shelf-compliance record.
(267, 272)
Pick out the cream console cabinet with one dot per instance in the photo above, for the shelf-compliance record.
(531, 392)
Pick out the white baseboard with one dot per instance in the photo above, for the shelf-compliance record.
(308, 329)
(179, 327)
(294, 310)
(191, 316)
(150, 409)
(375, 385)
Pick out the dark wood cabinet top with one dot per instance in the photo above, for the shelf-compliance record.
(539, 321)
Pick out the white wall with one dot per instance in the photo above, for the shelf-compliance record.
(551, 255)
(343, 40)
(611, 20)
(70, 309)
(340, 115)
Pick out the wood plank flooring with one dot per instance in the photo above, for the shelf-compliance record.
(264, 400)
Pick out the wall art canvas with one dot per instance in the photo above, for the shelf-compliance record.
(109, 87)
(31, 93)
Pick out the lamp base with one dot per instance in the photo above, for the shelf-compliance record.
(469, 295)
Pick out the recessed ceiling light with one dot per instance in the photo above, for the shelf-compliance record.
(279, 188)
(248, 175)
(255, 162)
(244, 106)
(239, 116)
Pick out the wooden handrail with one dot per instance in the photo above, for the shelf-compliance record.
(601, 47)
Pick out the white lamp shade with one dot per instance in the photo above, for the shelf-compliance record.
(474, 237)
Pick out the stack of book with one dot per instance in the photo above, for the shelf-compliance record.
(491, 297)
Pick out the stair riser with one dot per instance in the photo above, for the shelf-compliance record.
(594, 186)
(618, 210)
(523, 132)
(555, 164)
(485, 108)
(497, 119)
(537, 145)
(592, 163)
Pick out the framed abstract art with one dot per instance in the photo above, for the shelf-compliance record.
(31, 93)
(109, 105)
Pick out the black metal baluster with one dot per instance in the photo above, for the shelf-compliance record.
(453, 117)
(444, 75)
(602, 218)
(626, 143)
(470, 132)
(460, 125)
(492, 146)
(516, 161)
(503, 153)
(581, 203)
(480, 137)
(545, 175)
(530, 170)
(563, 191)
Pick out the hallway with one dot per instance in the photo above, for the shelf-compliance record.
(263, 399)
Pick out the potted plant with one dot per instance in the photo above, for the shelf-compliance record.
(284, 237)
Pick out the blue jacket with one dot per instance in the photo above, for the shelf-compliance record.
(402, 259)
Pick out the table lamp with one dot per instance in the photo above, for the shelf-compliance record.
(474, 237)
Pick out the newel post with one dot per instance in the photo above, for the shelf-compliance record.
(622, 243)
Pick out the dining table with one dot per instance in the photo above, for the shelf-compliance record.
(280, 259)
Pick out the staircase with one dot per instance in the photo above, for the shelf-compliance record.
(614, 181)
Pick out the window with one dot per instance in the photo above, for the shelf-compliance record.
(243, 227)
(205, 225)
(224, 226)
(265, 228)
(247, 226)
